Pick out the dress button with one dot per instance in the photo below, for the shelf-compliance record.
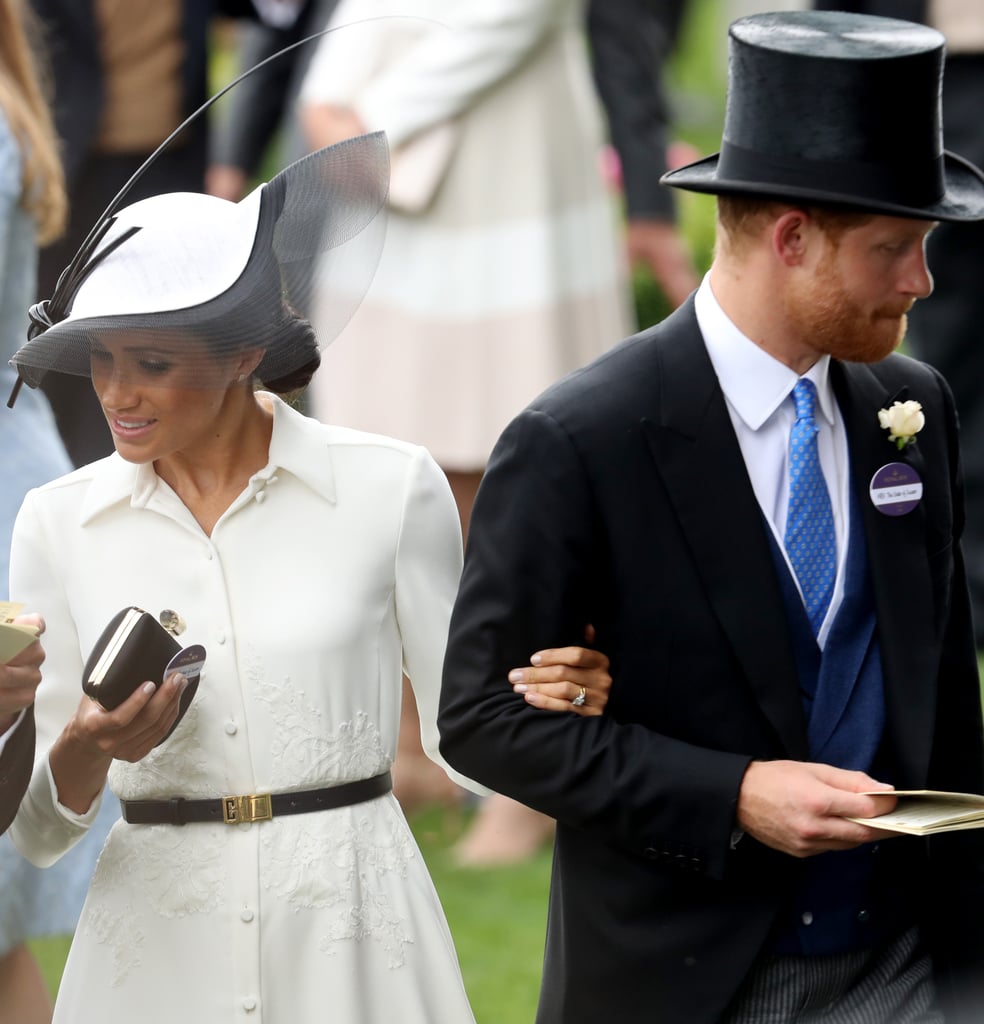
(807, 917)
(864, 916)
(246, 915)
(220, 637)
(261, 497)
(231, 728)
(249, 1004)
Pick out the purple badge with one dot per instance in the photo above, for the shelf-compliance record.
(895, 489)
(188, 661)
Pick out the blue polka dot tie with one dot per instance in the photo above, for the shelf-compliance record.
(810, 540)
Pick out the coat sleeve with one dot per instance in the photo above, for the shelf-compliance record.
(450, 66)
(16, 758)
(533, 578)
(44, 829)
(630, 41)
(955, 890)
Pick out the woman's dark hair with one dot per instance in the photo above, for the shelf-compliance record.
(291, 356)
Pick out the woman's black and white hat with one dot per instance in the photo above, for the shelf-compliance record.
(227, 276)
(837, 108)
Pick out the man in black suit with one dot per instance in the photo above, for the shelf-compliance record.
(765, 680)
(19, 678)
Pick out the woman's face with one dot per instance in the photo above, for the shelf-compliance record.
(161, 396)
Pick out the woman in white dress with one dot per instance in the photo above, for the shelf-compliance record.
(313, 563)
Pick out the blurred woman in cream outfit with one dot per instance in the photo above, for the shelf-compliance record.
(510, 275)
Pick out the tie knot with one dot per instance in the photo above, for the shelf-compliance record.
(805, 396)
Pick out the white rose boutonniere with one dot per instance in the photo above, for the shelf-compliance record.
(902, 421)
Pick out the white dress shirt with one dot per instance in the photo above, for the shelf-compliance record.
(758, 391)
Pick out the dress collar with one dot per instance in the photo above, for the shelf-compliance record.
(299, 446)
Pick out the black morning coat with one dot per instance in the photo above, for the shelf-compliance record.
(620, 498)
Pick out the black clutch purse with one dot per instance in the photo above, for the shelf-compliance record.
(133, 648)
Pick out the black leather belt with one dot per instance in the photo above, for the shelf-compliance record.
(234, 810)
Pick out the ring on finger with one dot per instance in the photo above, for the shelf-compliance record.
(578, 701)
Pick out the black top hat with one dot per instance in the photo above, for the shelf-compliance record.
(840, 109)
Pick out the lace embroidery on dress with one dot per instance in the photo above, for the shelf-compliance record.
(180, 765)
(152, 862)
(337, 861)
(304, 752)
(123, 934)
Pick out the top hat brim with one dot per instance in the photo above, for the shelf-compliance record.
(962, 200)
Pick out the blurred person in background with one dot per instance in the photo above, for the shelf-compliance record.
(32, 210)
(503, 268)
(126, 74)
(630, 43)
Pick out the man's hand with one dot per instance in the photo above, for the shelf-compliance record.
(19, 677)
(324, 124)
(659, 246)
(801, 808)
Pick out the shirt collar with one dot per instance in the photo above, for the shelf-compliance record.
(754, 382)
(298, 445)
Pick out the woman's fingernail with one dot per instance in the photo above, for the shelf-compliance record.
(149, 687)
(516, 676)
(536, 659)
(520, 688)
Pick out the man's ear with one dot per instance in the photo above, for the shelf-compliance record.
(791, 235)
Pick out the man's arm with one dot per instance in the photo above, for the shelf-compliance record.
(630, 41)
(528, 583)
(256, 108)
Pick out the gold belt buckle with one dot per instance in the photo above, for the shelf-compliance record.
(253, 807)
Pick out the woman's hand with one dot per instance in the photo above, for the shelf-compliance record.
(81, 756)
(566, 679)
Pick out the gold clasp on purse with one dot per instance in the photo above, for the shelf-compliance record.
(253, 807)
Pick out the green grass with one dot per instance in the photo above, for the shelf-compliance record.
(497, 918)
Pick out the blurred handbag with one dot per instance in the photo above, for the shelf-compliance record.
(133, 648)
(418, 166)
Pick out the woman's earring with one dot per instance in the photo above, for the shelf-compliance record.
(241, 378)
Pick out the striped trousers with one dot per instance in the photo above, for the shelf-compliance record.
(891, 984)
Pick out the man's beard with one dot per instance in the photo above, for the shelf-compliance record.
(827, 318)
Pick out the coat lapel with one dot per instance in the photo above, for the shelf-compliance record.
(899, 570)
(698, 459)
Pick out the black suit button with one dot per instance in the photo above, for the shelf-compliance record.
(651, 853)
